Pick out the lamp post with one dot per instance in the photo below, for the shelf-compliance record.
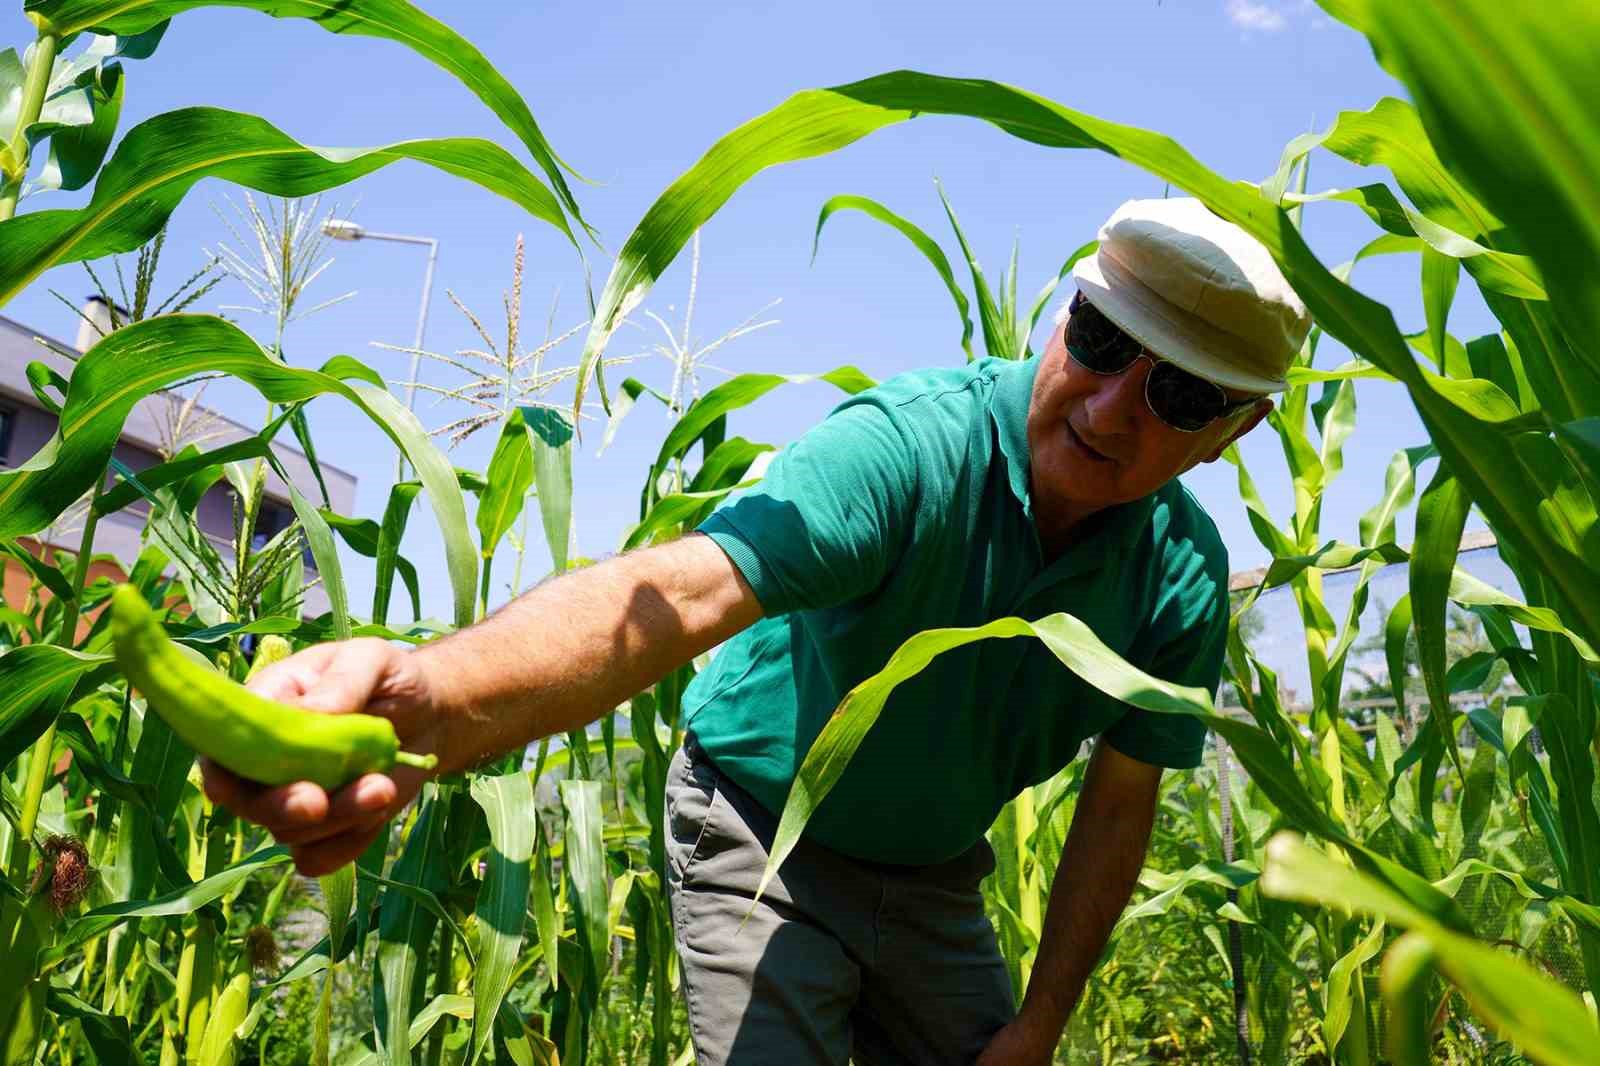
(343, 229)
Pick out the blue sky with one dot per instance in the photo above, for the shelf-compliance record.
(633, 93)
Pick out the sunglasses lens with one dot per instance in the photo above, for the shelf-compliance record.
(1182, 400)
(1096, 342)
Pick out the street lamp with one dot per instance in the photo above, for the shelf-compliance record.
(343, 229)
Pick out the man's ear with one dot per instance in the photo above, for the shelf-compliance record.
(1246, 423)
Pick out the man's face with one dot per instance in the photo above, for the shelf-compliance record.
(1093, 441)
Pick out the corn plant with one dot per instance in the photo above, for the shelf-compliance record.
(1522, 397)
(518, 912)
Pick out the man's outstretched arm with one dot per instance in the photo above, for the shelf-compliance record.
(555, 659)
(1099, 866)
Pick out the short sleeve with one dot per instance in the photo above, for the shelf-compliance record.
(1193, 657)
(830, 518)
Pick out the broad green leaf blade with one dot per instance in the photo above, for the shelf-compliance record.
(393, 20)
(551, 438)
(739, 391)
(510, 474)
(160, 159)
(1511, 103)
(1407, 970)
(996, 337)
(1081, 651)
(364, 536)
(78, 149)
(323, 549)
(508, 804)
(390, 532)
(1548, 1020)
(1509, 476)
(1441, 517)
(405, 928)
(1344, 978)
(584, 858)
(913, 233)
(544, 907)
(129, 491)
(34, 679)
(184, 901)
(674, 510)
(108, 1035)
(141, 358)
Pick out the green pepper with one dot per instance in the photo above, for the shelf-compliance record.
(254, 737)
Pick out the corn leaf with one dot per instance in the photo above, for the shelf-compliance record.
(584, 860)
(34, 680)
(405, 928)
(510, 475)
(507, 802)
(390, 532)
(551, 437)
(917, 236)
(1544, 1017)
(1408, 969)
(186, 900)
(160, 159)
(393, 20)
(141, 358)
(1081, 651)
(1511, 103)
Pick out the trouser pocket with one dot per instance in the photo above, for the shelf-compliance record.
(691, 795)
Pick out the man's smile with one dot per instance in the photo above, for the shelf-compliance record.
(1084, 448)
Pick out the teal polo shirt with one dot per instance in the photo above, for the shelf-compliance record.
(906, 509)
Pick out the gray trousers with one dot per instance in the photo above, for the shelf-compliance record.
(841, 958)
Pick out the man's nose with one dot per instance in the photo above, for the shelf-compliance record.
(1117, 405)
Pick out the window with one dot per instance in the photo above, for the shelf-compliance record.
(8, 419)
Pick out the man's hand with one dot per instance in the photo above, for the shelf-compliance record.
(551, 661)
(1099, 866)
(325, 831)
(1021, 1043)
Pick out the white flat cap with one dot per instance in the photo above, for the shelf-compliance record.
(1197, 290)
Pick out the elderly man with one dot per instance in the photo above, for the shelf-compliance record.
(940, 498)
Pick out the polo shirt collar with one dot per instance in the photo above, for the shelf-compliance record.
(1008, 407)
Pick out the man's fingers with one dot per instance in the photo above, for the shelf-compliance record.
(326, 856)
(349, 680)
(284, 809)
(287, 680)
(226, 788)
(355, 806)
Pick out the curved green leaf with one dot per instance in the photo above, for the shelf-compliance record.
(186, 900)
(510, 475)
(584, 859)
(390, 532)
(913, 233)
(739, 391)
(508, 805)
(34, 679)
(139, 359)
(1509, 473)
(393, 20)
(1548, 1020)
(1508, 97)
(1082, 652)
(161, 158)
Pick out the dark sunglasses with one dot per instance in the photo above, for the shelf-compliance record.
(1180, 399)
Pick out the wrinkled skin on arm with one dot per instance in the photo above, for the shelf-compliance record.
(556, 659)
(1099, 866)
